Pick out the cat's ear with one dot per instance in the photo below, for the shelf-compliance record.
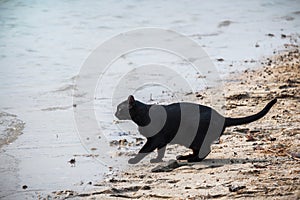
(131, 101)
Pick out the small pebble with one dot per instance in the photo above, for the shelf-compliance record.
(235, 188)
(146, 187)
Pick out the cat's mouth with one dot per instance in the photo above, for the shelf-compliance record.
(121, 117)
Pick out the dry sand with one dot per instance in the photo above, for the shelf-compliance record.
(256, 161)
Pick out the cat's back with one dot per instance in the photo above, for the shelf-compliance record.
(187, 105)
(177, 110)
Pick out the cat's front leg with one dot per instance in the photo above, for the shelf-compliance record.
(160, 155)
(137, 158)
(145, 150)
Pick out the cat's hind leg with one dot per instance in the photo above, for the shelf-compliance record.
(198, 156)
(186, 157)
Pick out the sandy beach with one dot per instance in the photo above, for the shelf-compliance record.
(260, 160)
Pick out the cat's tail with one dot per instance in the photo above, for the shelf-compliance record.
(245, 120)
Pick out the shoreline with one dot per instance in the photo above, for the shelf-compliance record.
(10, 128)
(258, 160)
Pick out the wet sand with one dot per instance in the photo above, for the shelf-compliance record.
(260, 160)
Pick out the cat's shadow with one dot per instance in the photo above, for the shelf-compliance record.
(225, 161)
(206, 164)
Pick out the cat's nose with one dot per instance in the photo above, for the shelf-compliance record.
(117, 114)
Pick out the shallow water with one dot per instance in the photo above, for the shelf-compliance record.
(44, 44)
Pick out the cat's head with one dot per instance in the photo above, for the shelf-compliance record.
(123, 108)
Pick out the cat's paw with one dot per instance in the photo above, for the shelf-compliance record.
(156, 160)
(184, 157)
(133, 160)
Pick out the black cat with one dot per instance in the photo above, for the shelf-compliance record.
(192, 125)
